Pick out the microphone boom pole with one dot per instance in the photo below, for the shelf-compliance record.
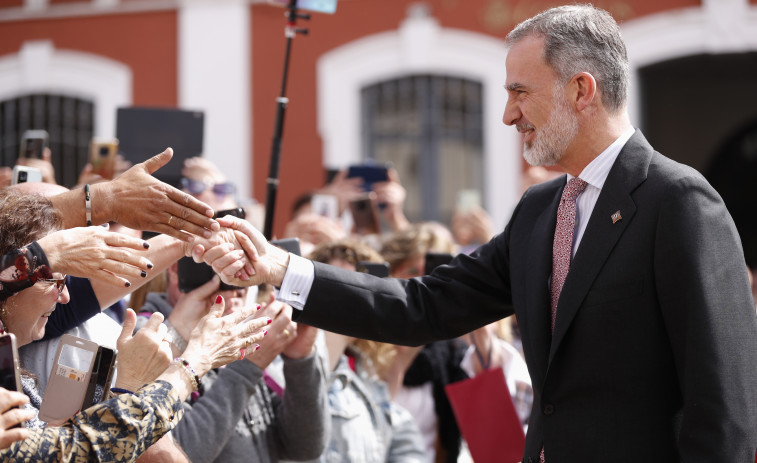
(272, 183)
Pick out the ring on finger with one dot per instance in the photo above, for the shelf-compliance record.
(247, 343)
(287, 333)
(170, 219)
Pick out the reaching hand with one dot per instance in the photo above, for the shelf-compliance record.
(390, 196)
(192, 306)
(268, 262)
(11, 416)
(143, 356)
(220, 339)
(281, 332)
(138, 200)
(93, 252)
(472, 227)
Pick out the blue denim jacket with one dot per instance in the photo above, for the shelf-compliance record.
(366, 427)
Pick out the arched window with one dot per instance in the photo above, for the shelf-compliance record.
(429, 127)
(67, 119)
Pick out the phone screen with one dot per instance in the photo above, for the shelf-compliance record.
(33, 143)
(319, 6)
(379, 269)
(8, 364)
(435, 259)
(364, 216)
(102, 373)
(370, 174)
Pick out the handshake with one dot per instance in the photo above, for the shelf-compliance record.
(240, 254)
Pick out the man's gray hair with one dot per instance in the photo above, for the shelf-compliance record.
(582, 38)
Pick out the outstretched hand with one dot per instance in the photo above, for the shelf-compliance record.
(93, 252)
(142, 357)
(138, 200)
(268, 263)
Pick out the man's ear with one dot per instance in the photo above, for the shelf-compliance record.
(582, 90)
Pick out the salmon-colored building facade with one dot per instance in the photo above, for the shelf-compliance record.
(226, 58)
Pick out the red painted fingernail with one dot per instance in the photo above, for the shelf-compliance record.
(219, 299)
(269, 321)
(258, 307)
(265, 332)
(257, 346)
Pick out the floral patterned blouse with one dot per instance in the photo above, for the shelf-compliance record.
(117, 430)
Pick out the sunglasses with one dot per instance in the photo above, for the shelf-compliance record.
(60, 282)
(196, 187)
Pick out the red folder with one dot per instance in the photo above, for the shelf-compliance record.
(487, 418)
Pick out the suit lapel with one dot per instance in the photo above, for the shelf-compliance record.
(601, 235)
(537, 282)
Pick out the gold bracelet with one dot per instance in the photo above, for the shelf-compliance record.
(187, 368)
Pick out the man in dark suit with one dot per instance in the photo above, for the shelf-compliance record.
(638, 324)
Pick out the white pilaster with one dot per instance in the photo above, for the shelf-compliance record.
(214, 77)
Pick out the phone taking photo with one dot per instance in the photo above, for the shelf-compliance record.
(378, 269)
(24, 174)
(101, 377)
(69, 379)
(10, 379)
(365, 215)
(370, 173)
(9, 376)
(33, 144)
(102, 157)
(436, 259)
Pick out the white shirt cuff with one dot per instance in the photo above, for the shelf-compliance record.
(297, 282)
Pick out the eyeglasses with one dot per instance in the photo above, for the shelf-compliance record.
(60, 281)
(196, 187)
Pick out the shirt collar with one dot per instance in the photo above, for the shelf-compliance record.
(596, 172)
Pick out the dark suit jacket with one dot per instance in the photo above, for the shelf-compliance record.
(654, 353)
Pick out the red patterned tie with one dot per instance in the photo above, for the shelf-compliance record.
(563, 244)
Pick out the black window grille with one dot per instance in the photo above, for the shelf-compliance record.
(429, 127)
(68, 120)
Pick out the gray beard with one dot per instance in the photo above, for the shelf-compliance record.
(554, 138)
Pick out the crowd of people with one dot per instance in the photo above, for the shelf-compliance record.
(188, 386)
(230, 348)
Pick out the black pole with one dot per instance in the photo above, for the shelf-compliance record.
(272, 183)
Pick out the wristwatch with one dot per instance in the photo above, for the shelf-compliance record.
(174, 337)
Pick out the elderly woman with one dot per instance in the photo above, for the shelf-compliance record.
(121, 428)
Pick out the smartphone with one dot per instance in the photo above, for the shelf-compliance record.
(365, 216)
(235, 211)
(325, 206)
(435, 259)
(102, 156)
(69, 379)
(379, 269)
(193, 274)
(33, 144)
(319, 6)
(288, 244)
(468, 200)
(23, 174)
(370, 173)
(102, 376)
(9, 376)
